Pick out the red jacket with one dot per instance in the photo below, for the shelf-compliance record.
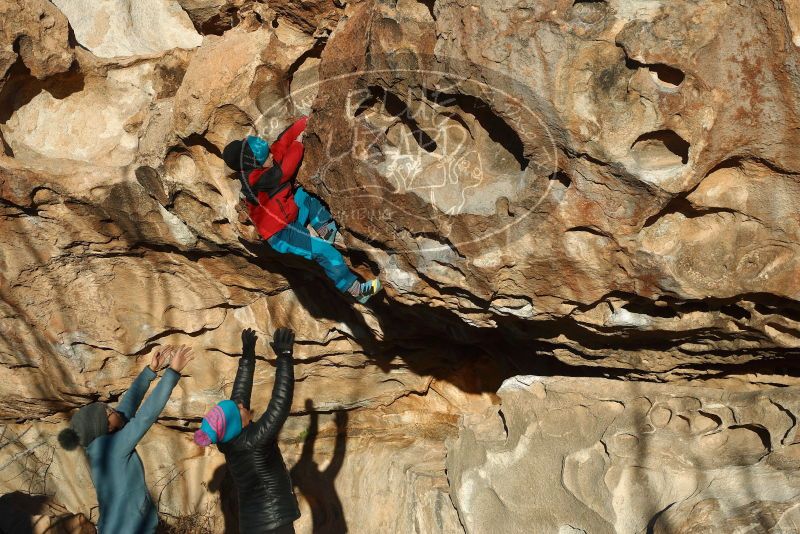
(275, 212)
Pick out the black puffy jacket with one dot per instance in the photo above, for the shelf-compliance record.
(266, 496)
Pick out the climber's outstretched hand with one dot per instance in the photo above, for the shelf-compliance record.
(283, 342)
(249, 339)
(181, 357)
(160, 356)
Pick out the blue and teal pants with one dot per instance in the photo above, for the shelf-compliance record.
(296, 239)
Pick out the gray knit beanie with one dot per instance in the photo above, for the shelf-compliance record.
(89, 423)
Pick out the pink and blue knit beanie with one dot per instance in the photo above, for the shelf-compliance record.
(221, 424)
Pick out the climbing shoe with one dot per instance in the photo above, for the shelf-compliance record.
(328, 232)
(367, 289)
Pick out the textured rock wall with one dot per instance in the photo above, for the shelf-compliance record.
(595, 455)
(580, 172)
(546, 188)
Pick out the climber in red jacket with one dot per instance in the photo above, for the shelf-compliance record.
(282, 213)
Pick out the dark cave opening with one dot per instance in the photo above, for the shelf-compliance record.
(498, 129)
(661, 142)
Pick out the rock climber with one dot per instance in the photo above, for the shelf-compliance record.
(282, 213)
(110, 435)
(267, 504)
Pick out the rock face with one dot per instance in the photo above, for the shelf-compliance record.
(562, 188)
(595, 455)
(574, 173)
(114, 29)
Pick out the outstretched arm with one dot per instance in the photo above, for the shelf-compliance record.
(291, 161)
(279, 147)
(126, 439)
(270, 424)
(243, 384)
(133, 397)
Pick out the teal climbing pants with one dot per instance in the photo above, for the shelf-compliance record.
(296, 239)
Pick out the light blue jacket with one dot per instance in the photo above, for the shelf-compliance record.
(117, 471)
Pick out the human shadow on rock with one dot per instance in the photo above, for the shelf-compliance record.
(19, 511)
(317, 485)
(222, 482)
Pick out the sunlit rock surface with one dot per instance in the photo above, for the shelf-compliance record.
(595, 455)
(599, 170)
(129, 28)
(558, 188)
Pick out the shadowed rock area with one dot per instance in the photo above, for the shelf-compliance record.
(584, 214)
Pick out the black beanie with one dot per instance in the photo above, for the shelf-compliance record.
(239, 157)
(232, 154)
(89, 423)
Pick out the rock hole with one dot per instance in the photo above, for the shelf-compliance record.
(736, 311)
(675, 205)
(457, 118)
(559, 182)
(503, 420)
(717, 420)
(644, 306)
(6, 147)
(669, 75)
(651, 525)
(314, 52)
(735, 162)
(366, 104)
(775, 307)
(661, 149)
(783, 329)
(502, 207)
(301, 83)
(661, 72)
(695, 306)
(72, 41)
(217, 24)
(561, 177)
(275, 22)
(498, 129)
(680, 204)
(589, 230)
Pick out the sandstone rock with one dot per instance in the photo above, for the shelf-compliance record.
(543, 181)
(313, 16)
(135, 28)
(334, 460)
(581, 189)
(91, 120)
(594, 455)
(210, 16)
(238, 98)
(38, 32)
